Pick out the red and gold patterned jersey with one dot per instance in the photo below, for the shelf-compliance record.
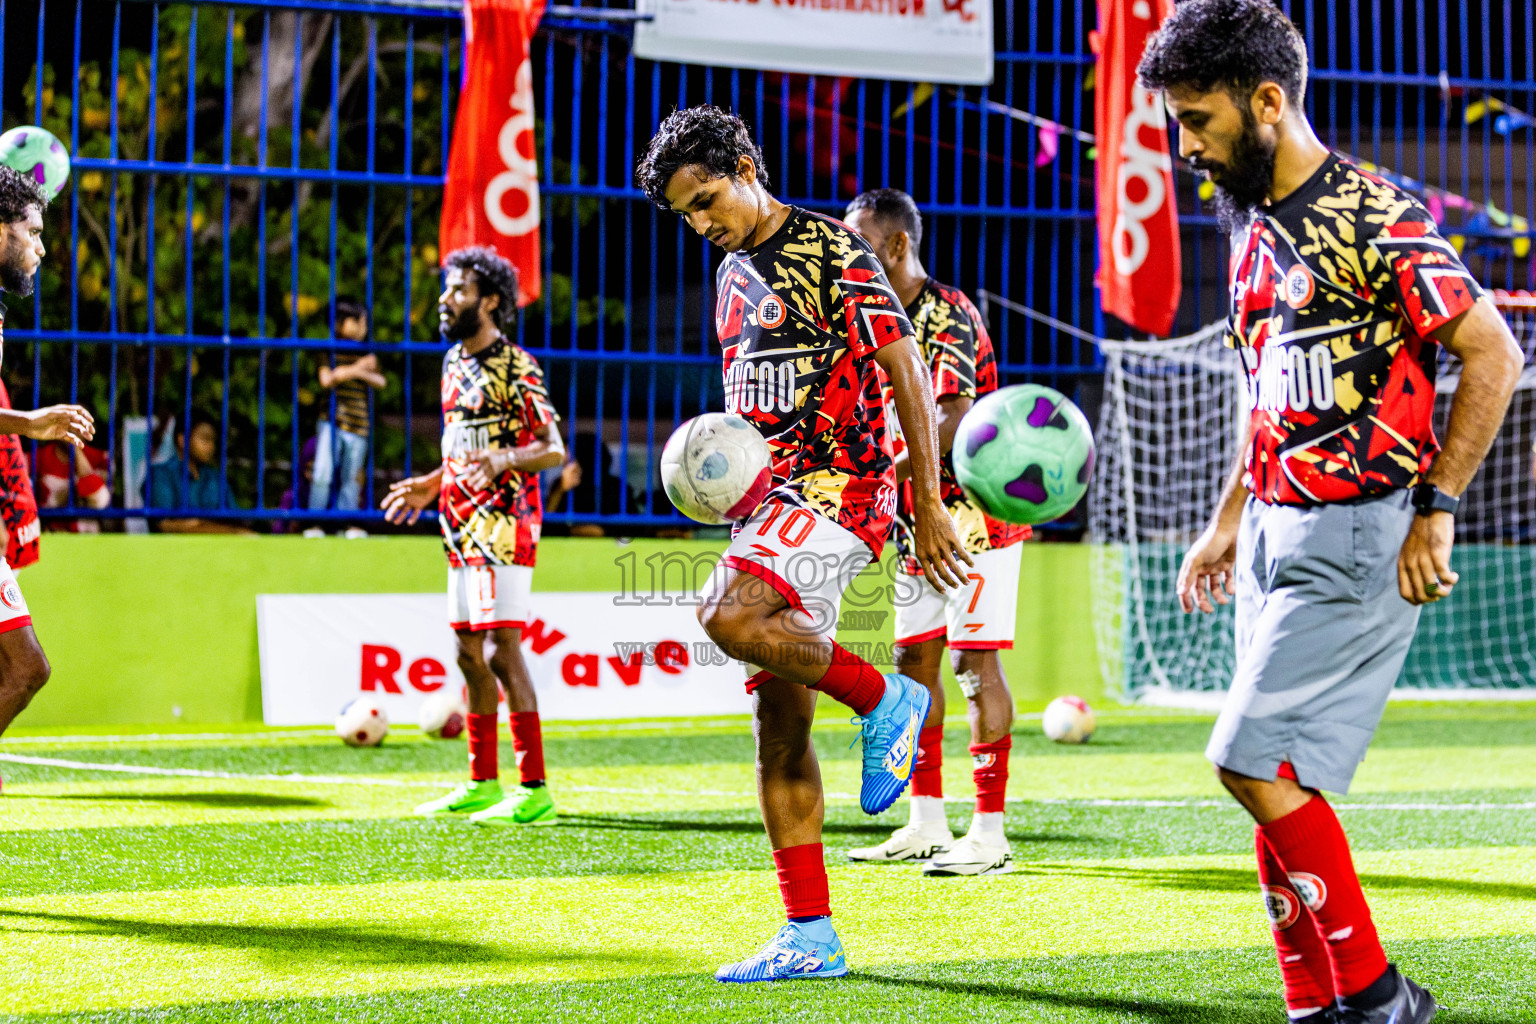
(493, 399)
(1336, 293)
(953, 339)
(799, 319)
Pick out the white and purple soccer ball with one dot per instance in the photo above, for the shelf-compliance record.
(362, 723)
(442, 715)
(716, 468)
(1068, 720)
(36, 153)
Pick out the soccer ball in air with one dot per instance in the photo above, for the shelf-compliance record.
(1068, 720)
(37, 154)
(362, 723)
(716, 468)
(442, 714)
(1024, 454)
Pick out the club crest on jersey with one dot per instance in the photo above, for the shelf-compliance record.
(10, 593)
(771, 312)
(1300, 286)
(1312, 890)
(1281, 905)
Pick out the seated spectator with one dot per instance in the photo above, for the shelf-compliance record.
(91, 489)
(599, 490)
(203, 490)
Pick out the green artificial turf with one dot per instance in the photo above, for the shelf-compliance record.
(295, 885)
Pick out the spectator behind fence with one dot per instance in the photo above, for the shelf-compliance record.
(91, 489)
(343, 453)
(202, 492)
(599, 489)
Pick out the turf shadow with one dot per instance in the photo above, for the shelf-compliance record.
(263, 801)
(356, 946)
(831, 826)
(1246, 879)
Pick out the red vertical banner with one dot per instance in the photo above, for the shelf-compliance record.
(1139, 268)
(492, 194)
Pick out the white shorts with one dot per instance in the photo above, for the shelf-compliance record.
(805, 557)
(484, 597)
(13, 607)
(980, 616)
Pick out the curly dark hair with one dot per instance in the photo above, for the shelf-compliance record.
(17, 192)
(493, 276)
(1234, 44)
(894, 207)
(713, 138)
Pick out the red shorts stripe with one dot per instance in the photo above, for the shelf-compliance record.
(768, 576)
(981, 645)
(16, 623)
(921, 638)
(482, 627)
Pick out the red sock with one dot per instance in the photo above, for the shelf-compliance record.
(927, 777)
(1311, 845)
(528, 742)
(482, 747)
(852, 680)
(990, 769)
(803, 880)
(1303, 956)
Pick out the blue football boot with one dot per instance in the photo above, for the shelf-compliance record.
(805, 949)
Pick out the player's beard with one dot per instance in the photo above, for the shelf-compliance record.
(465, 325)
(14, 277)
(1245, 179)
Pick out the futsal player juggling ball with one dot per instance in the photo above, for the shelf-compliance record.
(807, 322)
(975, 620)
(23, 666)
(1335, 526)
(499, 433)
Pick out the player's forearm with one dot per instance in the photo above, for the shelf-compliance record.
(915, 412)
(1229, 507)
(14, 421)
(1488, 379)
(536, 457)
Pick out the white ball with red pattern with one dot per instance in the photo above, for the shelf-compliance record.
(442, 714)
(362, 723)
(716, 468)
(1068, 720)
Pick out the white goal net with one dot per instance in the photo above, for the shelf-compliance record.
(1166, 439)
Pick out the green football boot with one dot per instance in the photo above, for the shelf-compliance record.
(468, 798)
(523, 806)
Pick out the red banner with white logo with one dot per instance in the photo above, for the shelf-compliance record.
(1139, 270)
(492, 194)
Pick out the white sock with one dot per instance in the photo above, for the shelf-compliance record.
(1304, 1014)
(927, 810)
(988, 827)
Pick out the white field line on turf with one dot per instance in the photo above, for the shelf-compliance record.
(364, 780)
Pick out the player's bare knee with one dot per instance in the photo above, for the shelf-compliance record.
(727, 622)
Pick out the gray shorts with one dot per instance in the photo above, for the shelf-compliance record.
(1322, 633)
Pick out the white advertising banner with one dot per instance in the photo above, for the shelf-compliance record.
(909, 40)
(589, 657)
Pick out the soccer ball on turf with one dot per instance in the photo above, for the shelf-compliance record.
(1068, 720)
(716, 468)
(1024, 454)
(37, 154)
(442, 715)
(362, 723)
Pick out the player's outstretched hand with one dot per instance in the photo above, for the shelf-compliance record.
(70, 423)
(1206, 574)
(408, 498)
(485, 467)
(1424, 573)
(939, 550)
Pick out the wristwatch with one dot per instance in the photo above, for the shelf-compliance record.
(1428, 498)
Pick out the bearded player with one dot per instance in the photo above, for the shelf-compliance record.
(977, 619)
(23, 666)
(1338, 518)
(499, 433)
(807, 323)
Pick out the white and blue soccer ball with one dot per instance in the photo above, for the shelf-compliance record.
(1068, 720)
(716, 468)
(362, 723)
(442, 715)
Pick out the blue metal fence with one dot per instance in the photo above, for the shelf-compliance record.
(238, 169)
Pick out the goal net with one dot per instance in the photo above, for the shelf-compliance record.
(1167, 437)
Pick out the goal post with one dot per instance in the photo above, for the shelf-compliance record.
(1167, 436)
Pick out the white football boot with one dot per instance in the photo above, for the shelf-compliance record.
(910, 843)
(984, 850)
